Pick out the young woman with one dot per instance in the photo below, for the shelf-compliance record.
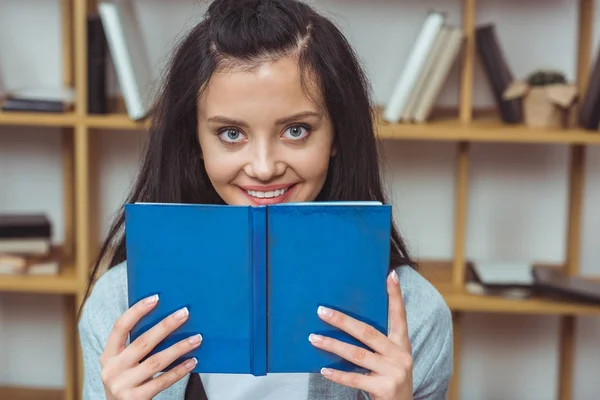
(264, 102)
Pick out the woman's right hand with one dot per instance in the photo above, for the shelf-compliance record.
(123, 376)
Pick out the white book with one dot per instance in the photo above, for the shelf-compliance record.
(127, 50)
(416, 59)
(504, 272)
(425, 74)
(439, 75)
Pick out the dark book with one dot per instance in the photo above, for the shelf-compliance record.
(97, 66)
(554, 283)
(40, 99)
(589, 111)
(498, 72)
(19, 225)
(11, 104)
(521, 280)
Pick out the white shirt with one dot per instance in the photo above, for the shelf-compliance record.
(288, 386)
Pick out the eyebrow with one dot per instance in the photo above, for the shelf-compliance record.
(281, 121)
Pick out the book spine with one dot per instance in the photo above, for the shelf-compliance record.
(418, 54)
(258, 262)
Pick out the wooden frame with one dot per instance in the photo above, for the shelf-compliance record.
(81, 229)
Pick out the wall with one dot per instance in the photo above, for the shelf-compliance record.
(517, 196)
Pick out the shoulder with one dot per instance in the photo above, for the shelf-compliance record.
(430, 331)
(106, 302)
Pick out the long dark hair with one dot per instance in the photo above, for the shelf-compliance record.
(243, 32)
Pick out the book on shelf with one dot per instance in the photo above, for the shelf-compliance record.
(498, 72)
(499, 278)
(39, 99)
(433, 56)
(416, 61)
(253, 278)
(589, 110)
(31, 264)
(97, 64)
(434, 77)
(521, 280)
(25, 233)
(25, 245)
(128, 54)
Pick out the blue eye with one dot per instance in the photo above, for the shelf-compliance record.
(296, 132)
(231, 135)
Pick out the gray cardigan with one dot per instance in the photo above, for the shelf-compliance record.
(429, 326)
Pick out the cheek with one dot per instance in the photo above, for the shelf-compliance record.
(220, 169)
(312, 165)
(220, 166)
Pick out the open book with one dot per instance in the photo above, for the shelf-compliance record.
(253, 278)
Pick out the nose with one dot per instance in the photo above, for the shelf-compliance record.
(264, 165)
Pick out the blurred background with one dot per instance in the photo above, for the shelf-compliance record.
(517, 194)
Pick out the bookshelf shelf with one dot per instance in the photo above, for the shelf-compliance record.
(23, 393)
(485, 131)
(114, 121)
(37, 119)
(63, 283)
(439, 274)
(459, 300)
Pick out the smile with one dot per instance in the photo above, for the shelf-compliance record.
(268, 195)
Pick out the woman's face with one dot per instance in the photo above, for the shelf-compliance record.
(263, 140)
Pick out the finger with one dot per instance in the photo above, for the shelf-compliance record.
(146, 342)
(355, 354)
(124, 324)
(159, 361)
(398, 332)
(368, 383)
(157, 385)
(367, 334)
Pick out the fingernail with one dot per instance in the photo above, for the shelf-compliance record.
(324, 311)
(191, 363)
(326, 371)
(394, 276)
(195, 339)
(181, 314)
(151, 300)
(315, 338)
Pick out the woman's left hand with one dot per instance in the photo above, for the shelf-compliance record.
(390, 362)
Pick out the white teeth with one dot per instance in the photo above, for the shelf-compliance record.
(268, 195)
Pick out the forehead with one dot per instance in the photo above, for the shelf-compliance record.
(274, 85)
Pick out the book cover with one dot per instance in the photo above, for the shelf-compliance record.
(336, 256)
(253, 278)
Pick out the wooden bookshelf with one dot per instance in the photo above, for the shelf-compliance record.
(64, 283)
(24, 393)
(439, 273)
(463, 128)
(485, 131)
(114, 121)
(37, 119)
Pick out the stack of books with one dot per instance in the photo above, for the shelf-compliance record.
(432, 56)
(25, 245)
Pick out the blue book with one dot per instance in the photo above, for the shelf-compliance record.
(253, 278)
